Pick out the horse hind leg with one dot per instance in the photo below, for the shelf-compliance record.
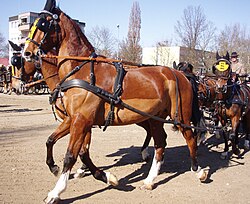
(192, 146)
(159, 136)
(98, 174)
(144, 150)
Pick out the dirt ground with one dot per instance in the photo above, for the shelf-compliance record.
(27, 121)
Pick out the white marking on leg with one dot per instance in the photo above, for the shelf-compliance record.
(154, 171)
(60, 186)
(111, 179)
(80, 173)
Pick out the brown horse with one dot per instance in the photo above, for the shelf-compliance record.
(49, 71)
(232, 102)
(151, 90)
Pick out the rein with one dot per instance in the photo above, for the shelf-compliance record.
(39, 81)
(96, 59)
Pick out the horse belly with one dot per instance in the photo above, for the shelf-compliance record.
(124, 116)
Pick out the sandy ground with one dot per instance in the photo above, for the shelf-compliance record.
(27, 121)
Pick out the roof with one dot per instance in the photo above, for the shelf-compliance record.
(4, 61)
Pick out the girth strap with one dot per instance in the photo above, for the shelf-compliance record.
(87, 86)
(117, 92)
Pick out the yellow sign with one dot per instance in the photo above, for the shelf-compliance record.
(32, 31)
(222, 66)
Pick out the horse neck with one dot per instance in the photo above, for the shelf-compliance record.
(74, 42)
(50, 74)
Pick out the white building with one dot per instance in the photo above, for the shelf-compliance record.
(19, 26)
(161, 55)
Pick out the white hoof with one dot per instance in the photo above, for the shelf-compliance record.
(111, 179)
(147, 186)
(201, 174)
(51, 200)
(246, 145)
(80, 173)
(224, 155)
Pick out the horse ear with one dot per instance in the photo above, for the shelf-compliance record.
(217, 56)
(174, 65)
(15, 46)
(227, 56)
(50, 5)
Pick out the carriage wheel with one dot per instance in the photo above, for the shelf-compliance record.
(31, 90)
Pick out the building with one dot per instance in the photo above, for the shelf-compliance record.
(19, 26)
(165, 56)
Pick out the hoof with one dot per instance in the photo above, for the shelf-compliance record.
(147, 186)
(237, 152)
(80, 173)
(201, 174)
(52, 200)
(55, 170)
(224, 155)
(111, 179)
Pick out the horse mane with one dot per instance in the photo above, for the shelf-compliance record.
(80, 35)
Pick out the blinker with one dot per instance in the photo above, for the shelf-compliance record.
(43, 25)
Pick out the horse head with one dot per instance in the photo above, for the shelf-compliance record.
(20, 75)
(51, 30)
(222, 66)
(222, 70)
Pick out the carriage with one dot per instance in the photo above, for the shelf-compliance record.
(5, 79)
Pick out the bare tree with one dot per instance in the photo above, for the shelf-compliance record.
(4, 47)
(195, 32)
(235, 38)
(130, 48)
(103, 40)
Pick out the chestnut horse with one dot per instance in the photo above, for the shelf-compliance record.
(49, 71)
(150, 90)
(232, 102)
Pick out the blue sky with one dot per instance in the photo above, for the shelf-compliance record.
(158, 16)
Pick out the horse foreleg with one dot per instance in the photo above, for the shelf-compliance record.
(61, 131)
(233, 136)
(78, 129)
(224, 154)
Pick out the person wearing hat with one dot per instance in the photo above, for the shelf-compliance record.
(236, 66)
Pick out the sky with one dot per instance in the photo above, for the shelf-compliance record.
(158, 17)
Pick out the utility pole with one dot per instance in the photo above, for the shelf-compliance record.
(118, 40)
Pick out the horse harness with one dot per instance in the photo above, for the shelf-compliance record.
(114, 98)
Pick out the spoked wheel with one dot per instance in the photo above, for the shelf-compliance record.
(31, 90)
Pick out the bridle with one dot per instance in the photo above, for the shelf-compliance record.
(45, 26)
